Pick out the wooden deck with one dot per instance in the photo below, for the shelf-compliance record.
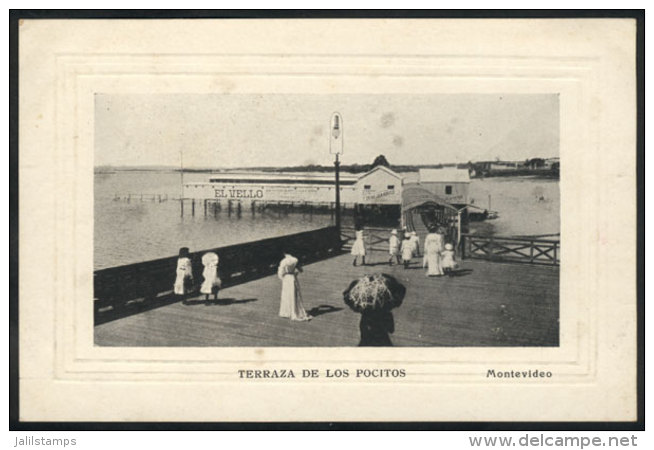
(487, 304)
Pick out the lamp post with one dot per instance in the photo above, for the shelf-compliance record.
(336, 148)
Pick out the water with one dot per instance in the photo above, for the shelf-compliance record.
(526, 205)
(126, 233)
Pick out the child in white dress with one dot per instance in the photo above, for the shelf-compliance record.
(415, 240)
(358, 248)
(448, 261)
(211, 283)
(394, 248)
(184, 279)
(407, 250)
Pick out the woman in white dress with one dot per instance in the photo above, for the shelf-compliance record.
(358, 248)
(291, 300)
(184, 279)
(433, 248)
(211, 283)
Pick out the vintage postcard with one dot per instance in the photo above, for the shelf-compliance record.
(400, 220)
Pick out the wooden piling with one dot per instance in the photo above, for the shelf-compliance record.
(229, 208)
(215, 209)
(181, 209)
(193, 207)
(205, 207)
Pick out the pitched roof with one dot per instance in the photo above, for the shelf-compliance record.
(414, 196)
(383, 168)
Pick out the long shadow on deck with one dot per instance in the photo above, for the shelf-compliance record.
(323, 309)
(117, 309)
(218, 302)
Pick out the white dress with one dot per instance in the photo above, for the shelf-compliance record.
(447, 260)
(407, 250)
(291, 300)
(358, 248)
(433, 248)
(393, 245)
(415, 240)
(210, 273)
(184, 276)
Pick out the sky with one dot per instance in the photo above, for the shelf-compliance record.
(247, 130)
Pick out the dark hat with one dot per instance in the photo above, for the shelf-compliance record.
(183, 252)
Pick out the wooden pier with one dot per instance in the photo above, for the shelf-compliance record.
(237, 207)
(485, 304)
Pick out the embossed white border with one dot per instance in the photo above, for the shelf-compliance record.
(578, 77)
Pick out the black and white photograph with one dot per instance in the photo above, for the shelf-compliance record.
(326, 220)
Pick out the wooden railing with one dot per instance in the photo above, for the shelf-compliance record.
(520, 250)
(375, 238)
(125, 290)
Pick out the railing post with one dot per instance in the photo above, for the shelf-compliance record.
(555, 261)
(531, 251)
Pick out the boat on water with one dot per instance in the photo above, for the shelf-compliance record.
(478, 215)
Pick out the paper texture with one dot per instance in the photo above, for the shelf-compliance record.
(589, 63)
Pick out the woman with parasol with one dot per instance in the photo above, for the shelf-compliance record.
(374, 296)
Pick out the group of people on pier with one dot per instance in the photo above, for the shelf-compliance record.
(438, 259)
(184, 280)
(291, 305)
(438, 256)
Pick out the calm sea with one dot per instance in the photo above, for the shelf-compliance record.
(137, 231)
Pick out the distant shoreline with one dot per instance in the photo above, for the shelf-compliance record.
(354, 169)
